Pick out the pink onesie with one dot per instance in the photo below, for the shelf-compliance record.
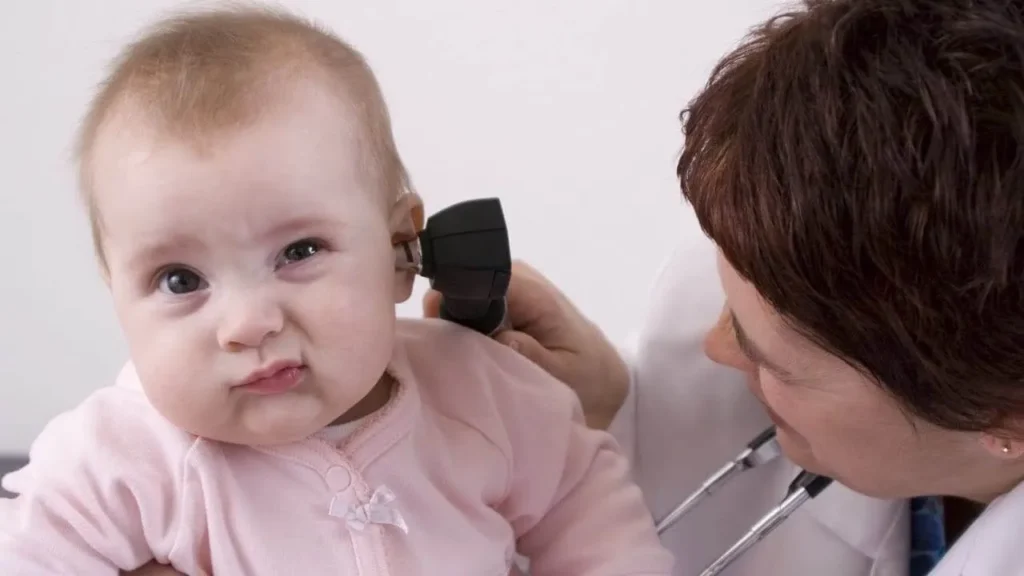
(479, 455)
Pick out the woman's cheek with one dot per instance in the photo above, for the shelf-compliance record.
(775, 393)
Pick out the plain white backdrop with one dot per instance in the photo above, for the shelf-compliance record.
(565, 109)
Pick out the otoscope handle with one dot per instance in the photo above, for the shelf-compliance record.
(485, 316)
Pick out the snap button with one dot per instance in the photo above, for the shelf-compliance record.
(338, 479)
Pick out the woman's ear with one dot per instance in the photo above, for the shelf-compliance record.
(405, 222)
(1003, 445)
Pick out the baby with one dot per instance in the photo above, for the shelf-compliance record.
(247, 203)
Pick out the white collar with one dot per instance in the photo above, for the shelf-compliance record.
(992, 544)
(870, 525)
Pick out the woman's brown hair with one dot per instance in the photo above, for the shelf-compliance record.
(860, 162)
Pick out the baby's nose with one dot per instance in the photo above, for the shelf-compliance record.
(249, 321)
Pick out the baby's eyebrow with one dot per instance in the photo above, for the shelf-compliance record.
(160, 249)
(150, 251)
(294, 225)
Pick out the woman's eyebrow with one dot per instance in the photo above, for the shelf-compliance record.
(753, 351)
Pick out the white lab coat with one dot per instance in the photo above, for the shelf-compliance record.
(993, 545)
(686, 416)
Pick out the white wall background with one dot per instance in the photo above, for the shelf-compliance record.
(566, 109)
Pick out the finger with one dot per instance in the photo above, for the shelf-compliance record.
(432, 304)
(531, 298)
(529, 347)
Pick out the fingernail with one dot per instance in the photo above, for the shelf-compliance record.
(514, 344)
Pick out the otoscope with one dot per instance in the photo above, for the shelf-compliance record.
(763, 448)
(464, 252)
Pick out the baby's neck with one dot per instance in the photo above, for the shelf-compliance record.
(375, 400)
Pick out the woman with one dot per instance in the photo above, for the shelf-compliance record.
(858, 165)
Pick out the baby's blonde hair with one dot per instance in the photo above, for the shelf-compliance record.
(204, 72)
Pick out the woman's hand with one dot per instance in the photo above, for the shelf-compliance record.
(548, 329)
(154, 569)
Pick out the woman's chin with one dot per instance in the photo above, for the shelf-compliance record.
(798, 450)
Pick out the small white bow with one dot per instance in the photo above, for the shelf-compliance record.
(378, 510)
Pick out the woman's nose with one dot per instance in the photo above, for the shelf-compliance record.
(249, 321)
(720, 345)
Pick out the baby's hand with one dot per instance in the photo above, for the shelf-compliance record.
(154, 569)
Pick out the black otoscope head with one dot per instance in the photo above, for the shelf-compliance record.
(467, 258)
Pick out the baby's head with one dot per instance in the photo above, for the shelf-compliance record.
(246, 197)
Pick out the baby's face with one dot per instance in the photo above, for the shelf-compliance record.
(254, 282)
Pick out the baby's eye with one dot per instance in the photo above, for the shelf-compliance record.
(180, 281)
(297, 251)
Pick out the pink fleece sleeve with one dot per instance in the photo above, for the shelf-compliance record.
(97, 496)
(623, 426)
(571, 500)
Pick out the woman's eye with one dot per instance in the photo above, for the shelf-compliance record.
(180, 281)
(300, 250)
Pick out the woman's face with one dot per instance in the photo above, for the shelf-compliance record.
(833, 420)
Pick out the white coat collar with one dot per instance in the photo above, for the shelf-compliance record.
(879, 529)
(868, 524)
(992, 546)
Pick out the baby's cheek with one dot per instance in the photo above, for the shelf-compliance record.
(167, 391)
(349, 305)
(177, 381)
(353, 336)
(356, 332)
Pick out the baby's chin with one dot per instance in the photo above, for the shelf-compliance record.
(273, 422)
(278, 436)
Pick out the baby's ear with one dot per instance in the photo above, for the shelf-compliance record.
(406, 219)
(405, 222)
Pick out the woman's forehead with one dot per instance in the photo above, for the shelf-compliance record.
(772, 339)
